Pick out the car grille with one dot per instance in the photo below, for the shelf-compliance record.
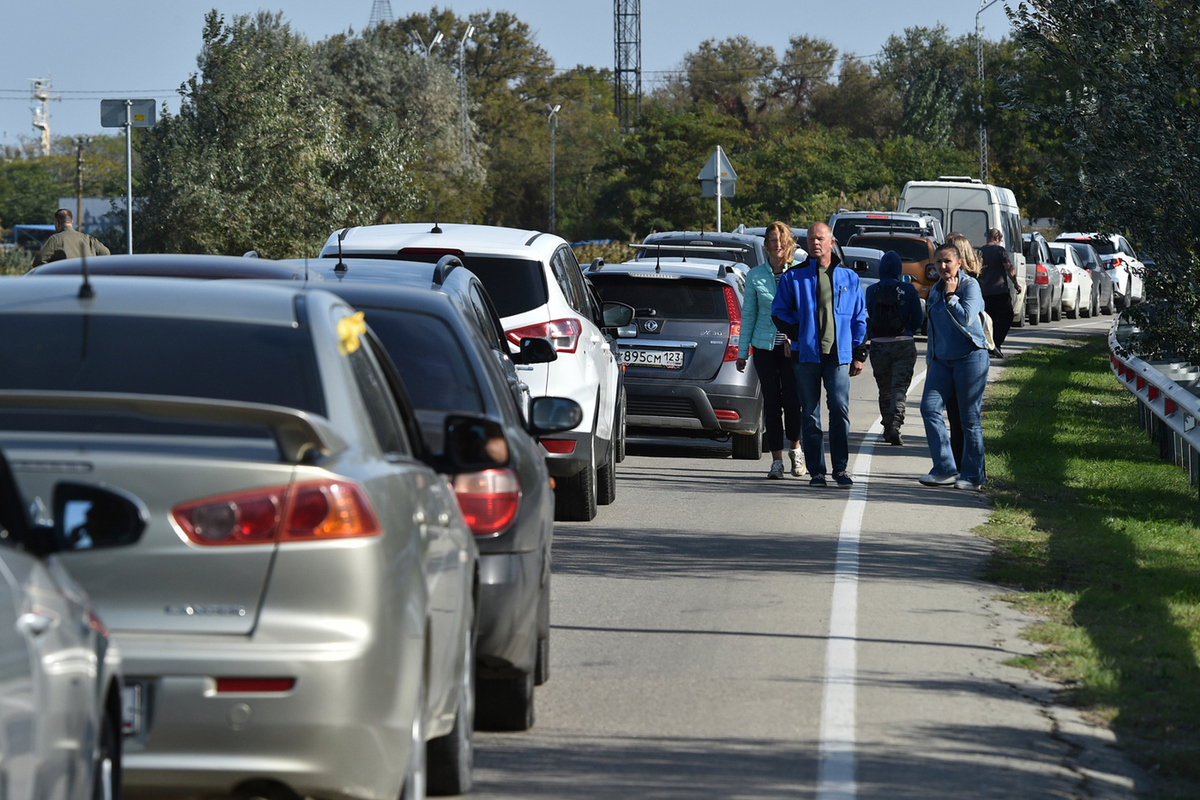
(660, 407)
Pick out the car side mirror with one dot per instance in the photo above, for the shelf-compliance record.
(472, 444)
(553, 415)
(87, 516)
(617, 315)
(535, 350)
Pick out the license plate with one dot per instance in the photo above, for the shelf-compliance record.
(132, 708)
(668, 359)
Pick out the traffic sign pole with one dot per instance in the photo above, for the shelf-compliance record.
(127, 114)
(129, 176)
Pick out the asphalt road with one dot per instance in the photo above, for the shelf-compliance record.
(716, 634)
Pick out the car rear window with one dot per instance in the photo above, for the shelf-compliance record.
(211, 359)
(516, 285)
(683, 298)
(430, 359)
(1058, 255)
(908, 249)
(843, 229)
(738, 256)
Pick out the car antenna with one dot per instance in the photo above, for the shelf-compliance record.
(658, 259)
(86, 292)
(341, 265)
(436, 227)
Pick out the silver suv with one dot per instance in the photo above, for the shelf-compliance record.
(845, 224)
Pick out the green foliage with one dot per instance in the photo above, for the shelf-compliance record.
(257, 158)
(28, 193)
(1125, 101)
(30, 185)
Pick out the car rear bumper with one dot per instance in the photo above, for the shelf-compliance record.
(692, 406)
(509, 584)
(564, 465)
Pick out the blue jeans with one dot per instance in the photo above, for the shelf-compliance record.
(966, 377)
(836, 378)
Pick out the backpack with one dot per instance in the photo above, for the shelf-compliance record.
(889, 311)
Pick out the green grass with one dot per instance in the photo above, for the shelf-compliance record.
(1102, 541)
(15, 261)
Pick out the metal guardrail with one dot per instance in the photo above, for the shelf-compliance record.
(1168, 394)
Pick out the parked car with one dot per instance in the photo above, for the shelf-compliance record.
(299, 615)
(1044, 283)
(1120, 260)
(799, 234)
(1101, 277)
(438, 325)
(680, 355)
(845, 224)
(1080, 294)
(60, 670)
(539, 290)
(744, 249)
(178, 265)
(915, 251)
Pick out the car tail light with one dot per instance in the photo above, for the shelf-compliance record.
(489, 500)
(1066, 273)
(562, 333)
(257, 685)
(307, 511)
(1116, 262)
(735, 325)
(563, 446)
(727, 414)
(1043, 277)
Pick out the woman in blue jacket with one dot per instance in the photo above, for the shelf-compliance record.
(957, 359)
(772, 355)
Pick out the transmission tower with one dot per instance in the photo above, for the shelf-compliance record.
(627, 18)
(381, 13)
(40, 95)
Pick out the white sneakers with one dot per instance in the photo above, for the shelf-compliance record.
(797, 458)
(776, 470)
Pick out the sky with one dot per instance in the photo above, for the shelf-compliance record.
(142, 49)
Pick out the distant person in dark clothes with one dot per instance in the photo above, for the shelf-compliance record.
(997, 276)
(67, 242)
(895, 315)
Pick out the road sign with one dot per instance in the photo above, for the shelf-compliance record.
(112, 113)
(708, 176)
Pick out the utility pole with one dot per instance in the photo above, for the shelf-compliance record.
(41, 111)
(80, 141)
(462, 93)
(553, 124)
(983, 134)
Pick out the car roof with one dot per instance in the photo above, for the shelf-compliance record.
(389, 240)
(374, 270)
(176, 265)
(702, 269)
(702, 236)
(270, 303)
(890, 234)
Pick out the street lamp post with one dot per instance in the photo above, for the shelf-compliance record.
(553, 124)
(983, 136)
(429, 49)
(462, 93)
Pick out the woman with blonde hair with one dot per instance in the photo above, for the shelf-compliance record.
(972, 261)
(972, 264)
(772, 354)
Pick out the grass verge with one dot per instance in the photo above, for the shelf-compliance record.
(1102, 541)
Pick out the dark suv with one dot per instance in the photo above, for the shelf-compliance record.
(680, 352)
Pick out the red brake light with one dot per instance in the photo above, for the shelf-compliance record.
(489, 500)
(1043, 278)
(562, 333)
(308, 511)
(735, 324)
(242, 685)
(1066, 276)
(1116, 262)
(726, 414)
(558, 445)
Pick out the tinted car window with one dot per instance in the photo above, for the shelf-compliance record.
(562, 273)
(378, 400)
(430, 359)
(971, 224)
(908, 249)
(214, 359)
(516, 285)
(844, 228)
(739, 256)
(677, 299)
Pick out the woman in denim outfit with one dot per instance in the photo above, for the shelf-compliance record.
(772, 356)
(957, 359)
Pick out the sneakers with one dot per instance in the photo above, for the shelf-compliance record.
(797, 458)
(818, 480)
(939, 480)
(893, 438)
(968, 486)
(843, 479)
(776, 470)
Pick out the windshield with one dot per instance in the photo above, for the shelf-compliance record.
(843, 229)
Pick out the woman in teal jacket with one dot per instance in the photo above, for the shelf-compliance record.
(772, 356)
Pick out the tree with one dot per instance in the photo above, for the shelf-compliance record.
(257, 159)
(860, 103)
(734, 73)
(1130, 111)
(807, 67)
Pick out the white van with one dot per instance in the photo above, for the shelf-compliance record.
(969, 206)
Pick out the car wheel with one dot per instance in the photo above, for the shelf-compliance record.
(1019, 321)
(415, 773)
(505, 704)
(575, 496)
(606, 478)
(620, 432)
(450, 758)
(1035, 316)
(1108, 307)
(749, 447)
(106, 783)
(541, 672)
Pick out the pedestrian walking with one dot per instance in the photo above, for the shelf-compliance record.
(894, 317)
(957, 360)
(66, 242)
(973, 266)
(772, 352)
(821, 308)
(998, 282)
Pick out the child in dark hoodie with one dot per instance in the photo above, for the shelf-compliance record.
(895, 315)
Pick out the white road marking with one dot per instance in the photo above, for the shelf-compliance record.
(836, 779)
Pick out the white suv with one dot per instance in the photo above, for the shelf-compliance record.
(539, 291)
(1121, 262)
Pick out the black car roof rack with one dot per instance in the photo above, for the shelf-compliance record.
(444, 266)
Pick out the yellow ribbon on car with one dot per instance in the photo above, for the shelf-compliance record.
(350, 329)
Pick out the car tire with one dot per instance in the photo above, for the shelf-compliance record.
(1019, 322)
(505, 704)
(606, 478)
(575, 496)
(450, 759)
(1108, 308)
(106, 782)
(749, 447)
(1035, 316)
(1055, 309)
(541, 668)
(620, 431)
(415, 773)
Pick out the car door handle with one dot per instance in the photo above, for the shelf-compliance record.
(35, 624)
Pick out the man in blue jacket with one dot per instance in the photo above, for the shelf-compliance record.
(895, 316)
(821, 308)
